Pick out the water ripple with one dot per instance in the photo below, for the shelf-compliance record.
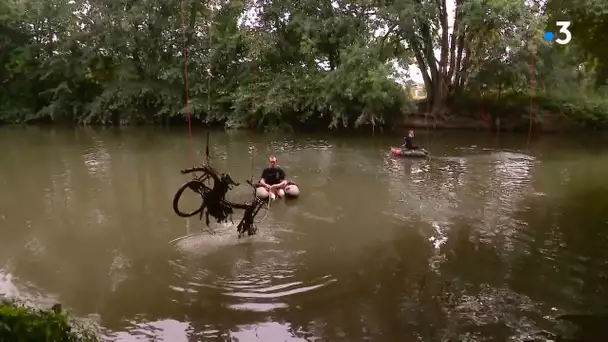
(97, 161)
(168, 330)
(255, 292)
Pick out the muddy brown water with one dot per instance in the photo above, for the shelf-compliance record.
(491, 238)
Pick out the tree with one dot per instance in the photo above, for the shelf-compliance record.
(589, 23)
(482, 30)
(304, 63)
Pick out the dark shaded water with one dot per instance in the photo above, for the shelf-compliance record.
(490, 239)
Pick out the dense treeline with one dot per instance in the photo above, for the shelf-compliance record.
(292, 63)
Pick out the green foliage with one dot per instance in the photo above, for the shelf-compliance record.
(122, 63)
(587, 110)
(577, 108)
(303, 63)
(19, 323)
(589, 23)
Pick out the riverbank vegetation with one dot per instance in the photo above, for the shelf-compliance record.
(19, 323)
(306, 63)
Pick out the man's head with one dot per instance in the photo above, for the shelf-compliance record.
(273, 161)
(411, 133)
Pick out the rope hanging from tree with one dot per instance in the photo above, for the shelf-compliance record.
(187, 89)
(213, 196)
(254, 53)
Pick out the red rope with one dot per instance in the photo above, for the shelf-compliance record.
(483, 112)
(186, 85)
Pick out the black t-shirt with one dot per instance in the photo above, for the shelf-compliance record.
(273, 175)
(408, 142)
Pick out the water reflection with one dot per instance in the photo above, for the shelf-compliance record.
(165, 330)
(460, 246)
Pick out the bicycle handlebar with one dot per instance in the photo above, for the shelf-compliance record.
(226, 176)
(194, 169)
(228, 179)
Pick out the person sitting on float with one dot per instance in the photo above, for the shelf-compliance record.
(273, 179)
(408, 141)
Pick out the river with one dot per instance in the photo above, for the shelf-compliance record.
(491, 238)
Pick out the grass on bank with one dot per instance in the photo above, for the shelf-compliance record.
(20, 323)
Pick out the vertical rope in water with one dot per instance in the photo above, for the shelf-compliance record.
(210, 33)
(187, 89)
(482, 110)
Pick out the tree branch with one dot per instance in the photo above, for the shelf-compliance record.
(388, 33)
(454, 40)
(459, 55)
(418, 54)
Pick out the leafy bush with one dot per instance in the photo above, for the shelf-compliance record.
(586, 110)
(19, 323)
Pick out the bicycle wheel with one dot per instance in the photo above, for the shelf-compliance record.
(195, 185)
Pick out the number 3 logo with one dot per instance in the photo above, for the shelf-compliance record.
(563, 28)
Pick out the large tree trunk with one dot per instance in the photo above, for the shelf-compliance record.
(438, 75)
(448, 74)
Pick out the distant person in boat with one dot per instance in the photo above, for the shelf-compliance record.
(273, 178)
(408, 142)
